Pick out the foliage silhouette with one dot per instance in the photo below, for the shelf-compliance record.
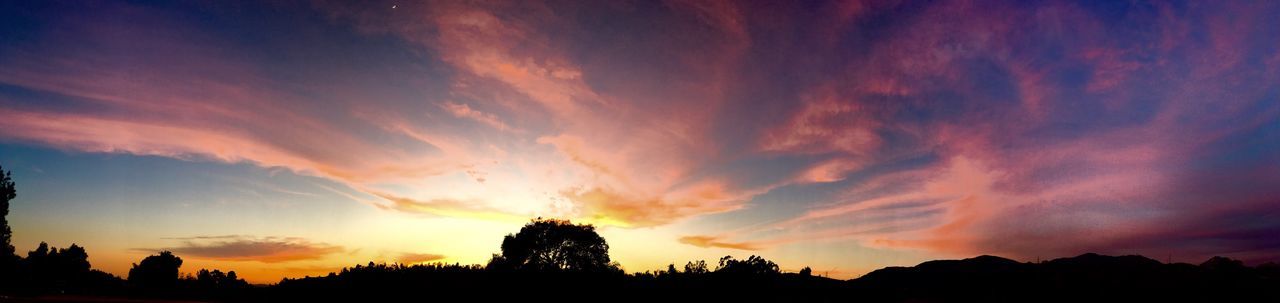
(217, 280)
(752, 266)
(550, 245)
(8, 259)
(212, 284)
(54, 266)
(51, 270)
(696, 267)
(158, 271)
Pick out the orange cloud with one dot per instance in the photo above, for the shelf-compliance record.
(414, 258)
(244, 248)
(631, 151)
(474, 209)
(603, 206)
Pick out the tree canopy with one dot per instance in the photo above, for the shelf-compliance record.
(158, 271)
(7, 193)
(8, 259)
(754, 265)
(554, 245)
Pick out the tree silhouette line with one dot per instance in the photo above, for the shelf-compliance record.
(552, 259)
(50, 270)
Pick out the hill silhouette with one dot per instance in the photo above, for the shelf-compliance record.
(1084, 278)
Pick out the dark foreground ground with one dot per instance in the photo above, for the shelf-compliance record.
(1085, 278)
(87, 299)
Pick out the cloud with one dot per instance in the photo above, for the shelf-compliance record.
(638, 137)
(246, 248)
(464, 111)
(624, 137)
(1042, 129)
(414, 258)
(446, 207)
(603, 206)
(205, 105)
(1032, 161)
(825, 124)
(711, 241)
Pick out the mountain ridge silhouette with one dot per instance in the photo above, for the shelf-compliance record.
(1086, 277)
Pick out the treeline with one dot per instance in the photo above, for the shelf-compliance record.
(1084, 278)
(53, 270)
(488, 282)
(553, 256)
(50, 270)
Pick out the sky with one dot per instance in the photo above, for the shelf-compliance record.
(293, 138)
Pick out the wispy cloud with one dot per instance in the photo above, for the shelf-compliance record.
(247, 248)
(711, 241)
(447, 207)
(464, 111)
(1026, 123)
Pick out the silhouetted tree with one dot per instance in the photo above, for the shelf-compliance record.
(554, 245)
(59, 270)
(697, 268)
(36, 265)
(806, 271)
(8, 260)
(498, 263)
(156, 271)
(754, 265)
(217, 280)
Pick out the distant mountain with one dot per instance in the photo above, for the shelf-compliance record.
(1084, 278)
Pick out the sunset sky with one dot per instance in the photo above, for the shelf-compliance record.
(293, 138)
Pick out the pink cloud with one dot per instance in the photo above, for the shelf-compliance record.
(826, 124)
(638, 157)
(465, 111)
(1003, 189)
(1040, 122)
(709, 241)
